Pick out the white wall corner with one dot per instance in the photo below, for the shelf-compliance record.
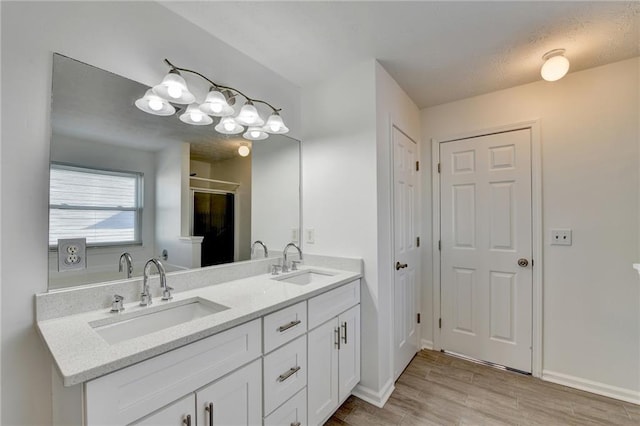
(623, 394)
(377, 398)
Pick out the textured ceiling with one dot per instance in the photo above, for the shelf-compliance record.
(437, 51)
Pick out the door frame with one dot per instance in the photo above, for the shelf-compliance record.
(536, 230)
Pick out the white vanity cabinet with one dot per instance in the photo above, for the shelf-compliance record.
(334, 351)
(180, 413)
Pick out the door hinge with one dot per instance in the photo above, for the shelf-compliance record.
(438, 167)
(439, 244)
(439, 322)
(417, 166)
(417, 241)
(418, 318)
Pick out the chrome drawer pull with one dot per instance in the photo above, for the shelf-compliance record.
(209, 409)
(336, 342)
(291, 372)
(296, 424)
(187, 420)
(288, 326)
(344, 327)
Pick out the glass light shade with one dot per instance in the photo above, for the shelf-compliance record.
(243, 150)
(249, 116)
(255, 134)
(228, 126)
(216, 104)
(275, 125)
(174, 89)
(194, 116)
(555, 68)
(154, 104)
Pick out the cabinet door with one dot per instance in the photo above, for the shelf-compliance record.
(179, 413)
(322, 379)
(349, 353)
(233, 400)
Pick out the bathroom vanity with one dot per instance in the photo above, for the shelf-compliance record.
(262, 349)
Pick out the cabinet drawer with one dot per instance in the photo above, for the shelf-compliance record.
(285, 373)
(332, 303)
(128, 394)
(285, 325)
(291, 413)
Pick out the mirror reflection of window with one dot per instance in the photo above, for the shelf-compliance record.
(102, 206)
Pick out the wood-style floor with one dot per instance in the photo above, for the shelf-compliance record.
(438, 389)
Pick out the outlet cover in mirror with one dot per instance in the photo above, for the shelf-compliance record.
(72, 254)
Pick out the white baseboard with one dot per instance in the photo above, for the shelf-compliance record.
(599, 388)
(426, 344)
(377, 398)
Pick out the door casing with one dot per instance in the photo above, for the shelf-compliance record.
(536, 222)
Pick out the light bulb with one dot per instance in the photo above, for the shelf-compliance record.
(243, 150)
(216, 108)
(174, 91)
(155, 104)
(196, 117)
(255, 133)
(274, 127)
(556, 65)
(229, 125)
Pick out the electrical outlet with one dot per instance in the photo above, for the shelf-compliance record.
(72, 254)
(561, 237)
(310, 235)
(294, 235)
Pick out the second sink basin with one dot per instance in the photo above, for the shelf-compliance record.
(142, 322)
(304, 277)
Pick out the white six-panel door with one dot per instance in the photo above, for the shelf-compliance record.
(485, 201)
(407, 256)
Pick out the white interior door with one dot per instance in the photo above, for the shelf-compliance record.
(406, 265)
(486, 287)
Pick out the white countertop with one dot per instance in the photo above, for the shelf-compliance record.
(81, 354)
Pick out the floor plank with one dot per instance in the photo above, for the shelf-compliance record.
(438, 389)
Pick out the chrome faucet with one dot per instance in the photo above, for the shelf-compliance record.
(264, 247)
(145, 297)
(285, 265)
(126, 260)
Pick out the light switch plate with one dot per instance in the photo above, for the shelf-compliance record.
(72, 254)
(294, 235)
(310, 235)
(561, 237)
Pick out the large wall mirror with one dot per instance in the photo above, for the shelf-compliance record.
(154, 186)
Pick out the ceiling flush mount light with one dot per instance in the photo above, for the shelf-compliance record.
(154, 104)
(173, 90)
(243, 150)
(556, 65)
(194, 116)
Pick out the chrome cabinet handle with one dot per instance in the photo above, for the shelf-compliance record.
(344, 327)
(288, 326)
(209, 409)
(337, 337)
(400, 266)
(187, 420)
(523, 262)
(291, 372)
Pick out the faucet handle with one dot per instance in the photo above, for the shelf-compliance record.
(116, 304)
(275, 269)
(294, 264)
(166, 294)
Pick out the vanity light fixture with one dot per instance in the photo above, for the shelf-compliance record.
(255, 134)
(194, 116)
(154, 104)
(218, 103)
(556, 65)
(243, 150)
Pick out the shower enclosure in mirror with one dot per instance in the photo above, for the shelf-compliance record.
(154, 186)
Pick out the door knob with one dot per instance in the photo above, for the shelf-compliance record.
(523, 262)
(400, 266)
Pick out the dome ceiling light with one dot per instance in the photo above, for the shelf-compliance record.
(218, 103)
(556, 65)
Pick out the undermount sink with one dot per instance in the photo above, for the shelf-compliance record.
(142, 322)
(304, 277)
